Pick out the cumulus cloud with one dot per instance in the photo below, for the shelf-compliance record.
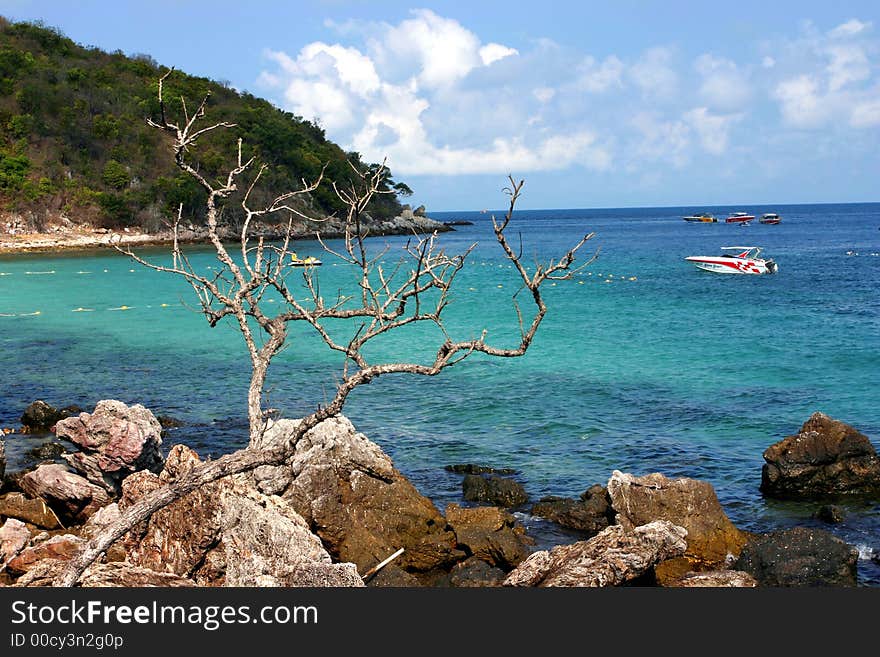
(435, 99)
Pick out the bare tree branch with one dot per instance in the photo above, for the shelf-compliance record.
(415, 290)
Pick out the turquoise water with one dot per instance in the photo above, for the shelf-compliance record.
(644, 364)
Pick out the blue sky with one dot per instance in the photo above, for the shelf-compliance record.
(594, 104)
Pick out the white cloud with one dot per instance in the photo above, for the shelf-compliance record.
(492, 52)
(849, 63)
(866, 114)
(768, 62)
(595, 78)
(850, 28)
(800, 102)
(654, 75)
(660, 140)
(544, 94)
(712, 129)
(724, 86)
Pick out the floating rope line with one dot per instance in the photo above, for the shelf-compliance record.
(40, 272)
(121, 308)
(82, 310)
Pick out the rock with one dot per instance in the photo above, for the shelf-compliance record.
(591, 513)
(35, 511)
(799, 557)
(489, 534)
(420, 211)
(168, 422)
(63, 547)
(825, 458)
(39, 417)
(117, 574)
(612, 557)
(713, 541)
(72, 497)
(471, 468)
(117, 440)
(831, 513)
(716, 579)
(14, 536)
(393, 577)
(228, 533)
(46, 451)
(495, 490)
(350, 494)
(2, 462)
(475, 572)
(99, 521)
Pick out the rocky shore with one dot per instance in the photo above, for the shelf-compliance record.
(339, 514)
(60, 234)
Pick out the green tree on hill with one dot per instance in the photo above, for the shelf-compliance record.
(73, 135)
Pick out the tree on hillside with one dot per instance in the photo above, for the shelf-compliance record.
(415, 291)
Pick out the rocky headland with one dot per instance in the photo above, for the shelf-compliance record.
(338, 513)
(17, 234)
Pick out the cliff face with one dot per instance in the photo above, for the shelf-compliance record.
(76, 151)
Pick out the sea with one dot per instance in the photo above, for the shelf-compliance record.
(643, 363)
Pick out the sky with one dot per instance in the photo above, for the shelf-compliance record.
(594, 104)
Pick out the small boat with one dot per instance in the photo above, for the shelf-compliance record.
(736, 260)
(739, 217)
(770, 218)
(704, 217)
(310, 261)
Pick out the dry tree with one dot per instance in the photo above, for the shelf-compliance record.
(416, 290)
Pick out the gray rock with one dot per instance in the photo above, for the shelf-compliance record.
(799, 557)
(591, 513)
(612, 557)
(498, 491)
(39, 417)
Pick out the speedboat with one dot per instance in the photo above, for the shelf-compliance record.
(704, 217)
(736, 260)
(739, 217)
(310, 261)
(770, 218)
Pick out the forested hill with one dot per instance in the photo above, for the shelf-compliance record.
(74, 141)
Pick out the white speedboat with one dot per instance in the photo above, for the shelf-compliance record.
(736, 260)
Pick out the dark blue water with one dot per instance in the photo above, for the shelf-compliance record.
(643, 364)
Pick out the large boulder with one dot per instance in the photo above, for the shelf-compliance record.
(712, 540)
(116, 440)
(227, 533)
(72, 497)
(591, 513)
(716, 579)
(826, 458)
(799, 557)
(612, 557)
(352, 496)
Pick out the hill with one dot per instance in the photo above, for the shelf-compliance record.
(75, 146)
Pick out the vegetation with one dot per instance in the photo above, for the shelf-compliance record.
(74, 138)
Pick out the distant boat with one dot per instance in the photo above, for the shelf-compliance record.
(704, 217)
(310, 261)
(770, 218)
(739, 217)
